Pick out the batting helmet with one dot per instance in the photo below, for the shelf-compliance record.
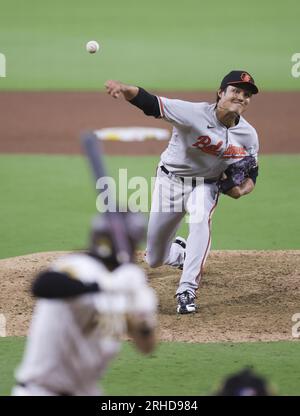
(109, 229)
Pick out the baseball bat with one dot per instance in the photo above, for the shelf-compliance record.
(93, 151)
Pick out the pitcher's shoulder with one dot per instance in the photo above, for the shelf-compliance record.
(203, 107)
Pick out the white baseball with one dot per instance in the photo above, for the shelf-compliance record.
(92, 46)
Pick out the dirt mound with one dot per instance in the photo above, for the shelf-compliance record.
(243, 296)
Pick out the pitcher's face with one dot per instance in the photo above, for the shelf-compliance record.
(234, 99)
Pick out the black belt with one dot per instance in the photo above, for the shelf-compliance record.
(194, 179)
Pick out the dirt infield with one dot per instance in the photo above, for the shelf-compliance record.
(255, 305)
(50, 122)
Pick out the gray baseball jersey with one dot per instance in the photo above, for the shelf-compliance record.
(200, 145)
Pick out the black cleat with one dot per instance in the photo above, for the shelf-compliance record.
(186, 303)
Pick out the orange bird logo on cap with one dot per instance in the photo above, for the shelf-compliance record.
(245, 77)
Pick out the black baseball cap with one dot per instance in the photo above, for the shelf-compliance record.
(245, 383)
(240, 79)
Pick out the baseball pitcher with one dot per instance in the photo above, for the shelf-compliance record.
(87, 303)
(209, 141)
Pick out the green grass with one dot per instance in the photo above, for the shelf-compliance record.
(11, 350)
(269, 217)
(163, 45)
(47, 203)
(181, 369)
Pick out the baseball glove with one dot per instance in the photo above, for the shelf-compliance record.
(236, 173)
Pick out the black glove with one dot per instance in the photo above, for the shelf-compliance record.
(236, 173)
